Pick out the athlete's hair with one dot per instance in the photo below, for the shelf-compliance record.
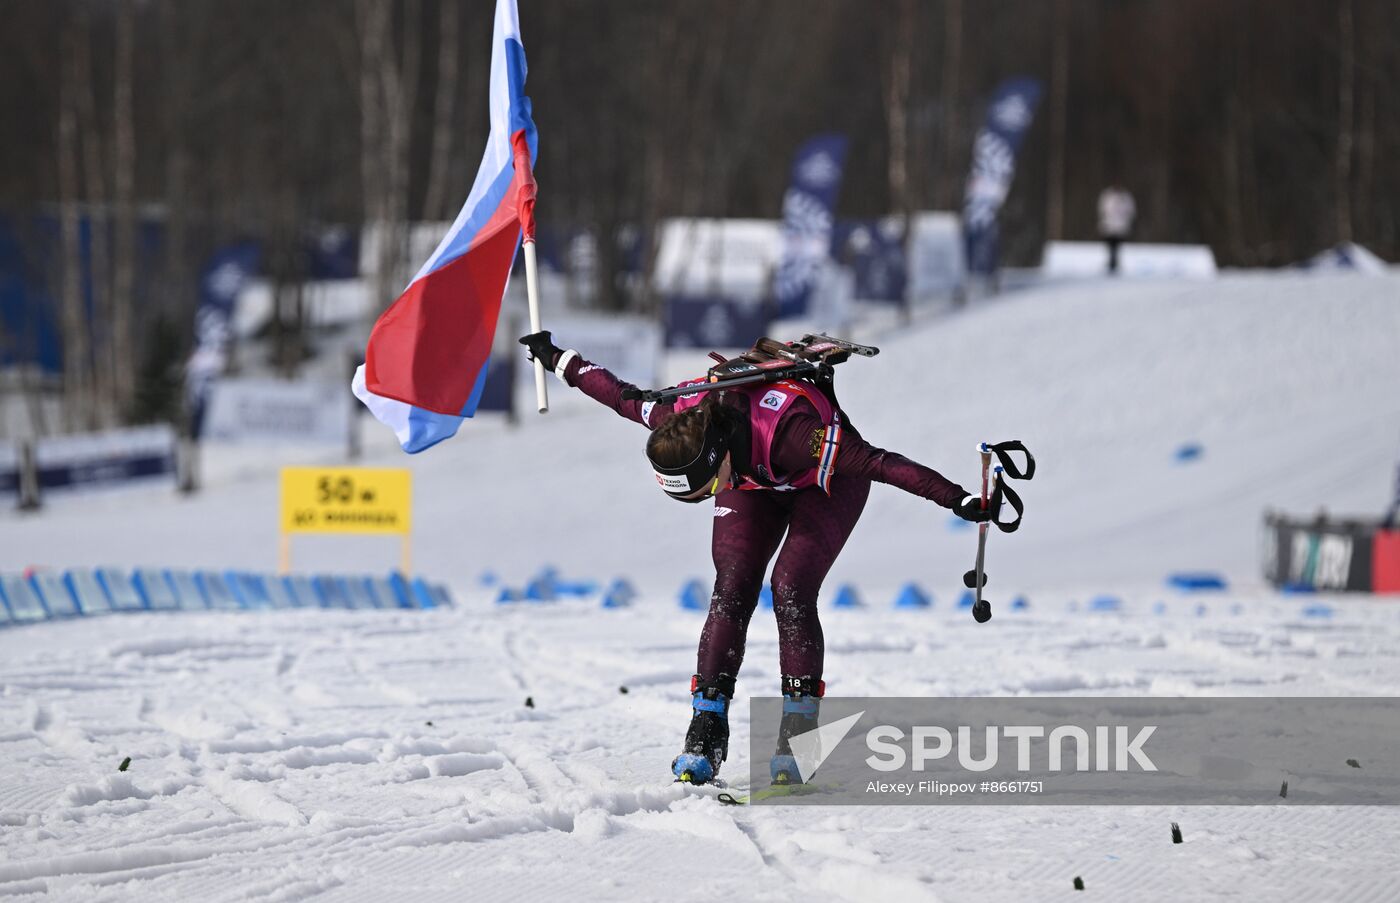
(681, 437)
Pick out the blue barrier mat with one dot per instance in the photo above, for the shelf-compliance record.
(20, 598)
(155, 591)
(54, 594)
(216, 591)
(188, 595)
(120, 592)
(83, 586)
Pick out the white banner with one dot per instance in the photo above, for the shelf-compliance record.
(1080, 259)
(935, 257)
(730, 258)
(270, 410)
(90, 459)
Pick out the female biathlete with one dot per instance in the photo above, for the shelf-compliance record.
(776, 458)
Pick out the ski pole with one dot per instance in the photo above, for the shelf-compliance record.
(977, 578)
(995, 494)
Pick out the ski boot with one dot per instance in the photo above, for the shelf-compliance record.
(801, 701)
(707, 740)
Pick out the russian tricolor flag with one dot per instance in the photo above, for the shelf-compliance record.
(426, 363)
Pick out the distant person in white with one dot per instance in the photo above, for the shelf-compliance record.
(1116, 214)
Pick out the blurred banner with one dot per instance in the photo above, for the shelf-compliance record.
(275, 410)
(1009, 116)
(807, 216)
(1089, 260)
(9, 468)
(499, 393)
(713, 322)
(95, 459)
(874, 250)
(224, 277)
(935, 257)
(728, 258)
(333, 253)
(1322, 555)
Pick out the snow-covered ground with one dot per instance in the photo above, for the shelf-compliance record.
(390, 755)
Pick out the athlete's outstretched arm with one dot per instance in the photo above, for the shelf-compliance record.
(797, 446)
(595, 381)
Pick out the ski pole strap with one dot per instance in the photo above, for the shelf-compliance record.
(1013, 470)
(1004, 493)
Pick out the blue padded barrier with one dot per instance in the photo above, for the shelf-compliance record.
(423, 594)
(911, 596)
(382, 591)
(250, 592)
(620, 594)
(188, 595)
(54, 594)
(846, 597)
(216, 591)
(330, 591)
(403, 592)
(302, 590)
(120, 591)
(19, 597)
(155, 591)
(83, 586)
(274, 590)
(693, 596)
(356, 592)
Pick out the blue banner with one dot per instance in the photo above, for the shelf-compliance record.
(499, 394)
(224, 277)
(693, 322)
(807, 215)
(1009, 116)
(874, 250)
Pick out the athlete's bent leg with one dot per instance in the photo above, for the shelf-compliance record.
(748, 525)
(818, 530)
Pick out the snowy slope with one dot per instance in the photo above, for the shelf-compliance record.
(1287, 381)
(376, 755)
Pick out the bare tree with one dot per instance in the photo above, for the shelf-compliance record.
(90, 129)
(436, 204)
(1059, 118)
(77, 350)
(123, 354)
(897, 88)
(950, 91)
(1346, 124)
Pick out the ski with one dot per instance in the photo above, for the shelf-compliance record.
(776, 791)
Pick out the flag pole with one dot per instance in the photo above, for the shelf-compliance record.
(532, 292)
(525, 206)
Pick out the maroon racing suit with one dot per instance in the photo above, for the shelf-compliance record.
(749, 524)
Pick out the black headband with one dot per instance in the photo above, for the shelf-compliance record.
(678, 482)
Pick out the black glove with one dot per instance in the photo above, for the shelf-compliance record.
(542, 348)
(970, 508)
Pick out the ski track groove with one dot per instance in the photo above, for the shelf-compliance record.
(561, 783)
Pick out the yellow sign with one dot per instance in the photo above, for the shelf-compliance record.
(346, 500)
